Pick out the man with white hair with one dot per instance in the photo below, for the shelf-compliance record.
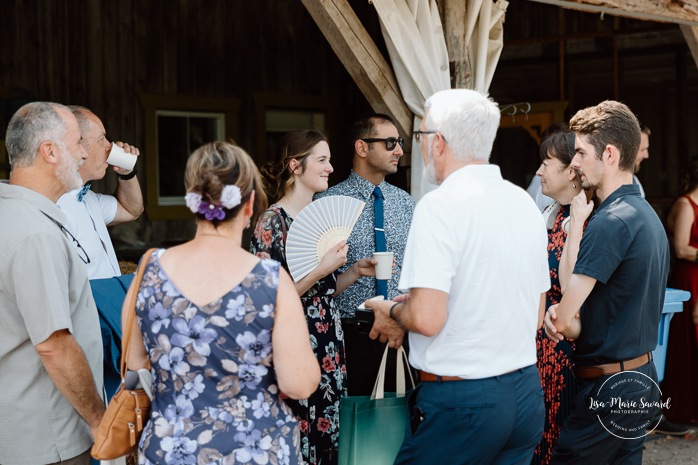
(477, 270)
(50, 341)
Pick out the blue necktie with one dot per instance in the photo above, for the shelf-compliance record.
(83, 191)
(381, 284)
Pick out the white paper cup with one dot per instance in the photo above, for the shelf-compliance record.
(384, 267)
(118, 157)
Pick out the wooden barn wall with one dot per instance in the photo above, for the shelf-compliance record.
(552, 54)
(103, 53)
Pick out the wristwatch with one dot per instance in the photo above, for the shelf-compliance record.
(126, 177)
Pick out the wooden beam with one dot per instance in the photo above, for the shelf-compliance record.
(362, 59)
(456, 43)
(669, 11)
(691, 36)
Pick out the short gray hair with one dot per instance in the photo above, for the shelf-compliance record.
(32, 125)
(467, 120)
(80, 114)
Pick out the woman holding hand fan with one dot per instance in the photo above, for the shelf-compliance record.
(302, 170)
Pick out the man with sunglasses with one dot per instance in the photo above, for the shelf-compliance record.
(377, 148)
(88, 213)
(50, 340)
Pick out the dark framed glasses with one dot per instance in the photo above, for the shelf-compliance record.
(418, 134)
(82, 253)
(390, 142)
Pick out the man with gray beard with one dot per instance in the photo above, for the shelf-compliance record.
(50, 340)
(477, 277)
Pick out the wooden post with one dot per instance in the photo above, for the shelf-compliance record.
(691, 36)
(362, 59)
(454, 12)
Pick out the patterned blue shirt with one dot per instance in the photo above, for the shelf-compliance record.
(398, 208)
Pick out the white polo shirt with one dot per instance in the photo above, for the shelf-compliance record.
(483, 241)
(87, 221)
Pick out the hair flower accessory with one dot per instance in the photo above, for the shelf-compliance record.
(231, 197)
(211, 211)
(193, 200)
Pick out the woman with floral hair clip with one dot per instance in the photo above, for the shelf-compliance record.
(302, 170)
(223, 330)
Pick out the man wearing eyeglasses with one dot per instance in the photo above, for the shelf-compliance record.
(377, 148)
(477, 269)
(50, 340)
(88, 213)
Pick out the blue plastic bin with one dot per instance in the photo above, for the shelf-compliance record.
(673, 303)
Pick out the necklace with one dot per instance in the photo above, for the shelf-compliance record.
(218, 236)
(292, 212)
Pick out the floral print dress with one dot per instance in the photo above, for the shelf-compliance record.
(318, 415)
(554, 359)
(216, 397)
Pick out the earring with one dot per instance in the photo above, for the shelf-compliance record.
(249, 223)
(574, 186)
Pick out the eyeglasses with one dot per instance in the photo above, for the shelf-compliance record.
(81, 252)
(418, 134)
(390, 142)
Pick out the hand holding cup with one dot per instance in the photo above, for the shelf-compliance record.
(384, 264)
(123, 157)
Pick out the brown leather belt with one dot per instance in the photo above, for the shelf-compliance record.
(596, 371)
(432, 378)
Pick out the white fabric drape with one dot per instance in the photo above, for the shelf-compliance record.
(485, 36)
(415, 40)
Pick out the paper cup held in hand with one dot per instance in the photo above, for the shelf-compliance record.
(384, 267)
(362, 306)
(118, 157)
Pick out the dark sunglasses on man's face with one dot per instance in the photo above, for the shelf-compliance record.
(390, 142)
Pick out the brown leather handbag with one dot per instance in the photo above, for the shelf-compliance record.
(129, 409)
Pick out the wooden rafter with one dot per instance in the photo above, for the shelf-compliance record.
(691, 36)
(362, 59)
(683, 12)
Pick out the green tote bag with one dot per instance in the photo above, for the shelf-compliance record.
(372, 427)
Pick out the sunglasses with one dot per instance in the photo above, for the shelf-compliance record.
(390, 142)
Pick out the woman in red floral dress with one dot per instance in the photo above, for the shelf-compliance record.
(565, 219)
(301, 172)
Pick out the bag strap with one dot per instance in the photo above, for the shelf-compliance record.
(379, 386)
(130, 306)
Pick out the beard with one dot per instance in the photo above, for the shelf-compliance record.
(67, 171)
(430, 171)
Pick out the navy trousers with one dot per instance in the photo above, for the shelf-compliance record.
(585, 440)
(497, 420)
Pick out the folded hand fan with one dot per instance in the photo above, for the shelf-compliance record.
(322, 224)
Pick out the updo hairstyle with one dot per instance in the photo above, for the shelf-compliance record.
(213, 166)
(559, 145)
(296, 145)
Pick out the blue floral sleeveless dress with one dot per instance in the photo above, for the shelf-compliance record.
(319, 414)
(216, 397)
